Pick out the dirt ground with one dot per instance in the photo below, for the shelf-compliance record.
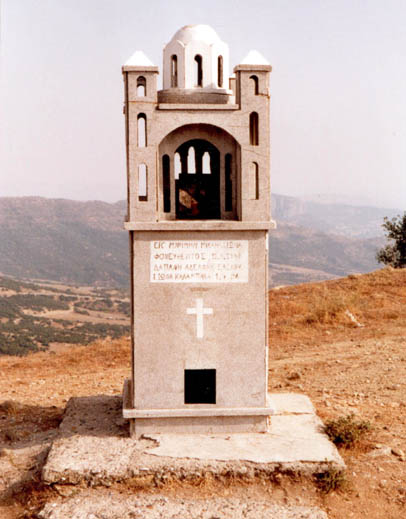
(341, 342)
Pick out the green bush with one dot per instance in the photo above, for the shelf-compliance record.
(38, 302)
(346, 431)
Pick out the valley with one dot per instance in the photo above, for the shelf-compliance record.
(37, 316)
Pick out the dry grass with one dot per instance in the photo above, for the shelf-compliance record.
(306, 311)
(10, 408)
(315, 348)
(109, 353)
(47, 378)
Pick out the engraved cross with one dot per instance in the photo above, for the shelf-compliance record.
(199, 311)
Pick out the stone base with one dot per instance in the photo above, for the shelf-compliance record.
(210, 420)
(94, 446)
(199, 425)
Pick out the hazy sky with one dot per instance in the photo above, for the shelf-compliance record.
(338, 86)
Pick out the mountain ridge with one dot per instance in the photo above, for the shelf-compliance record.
(84, 242)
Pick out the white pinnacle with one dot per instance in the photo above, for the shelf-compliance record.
(254, 57)
(139, 59)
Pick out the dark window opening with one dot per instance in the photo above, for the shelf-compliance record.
(197, 188)
(174, 71)
(166, 183)
(254, 129)
(142, 130)
(198, 70)
(228, 183)
(220, 71)
(200, 386)
(141, 86)
(254, 181)
(142, 183)
(254, 79)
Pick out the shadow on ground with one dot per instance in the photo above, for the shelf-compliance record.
(23, 425)
(27, 432)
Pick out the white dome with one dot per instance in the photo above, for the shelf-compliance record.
(202, 33)
(195, 58)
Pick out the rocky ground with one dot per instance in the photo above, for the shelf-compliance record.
(344, 364)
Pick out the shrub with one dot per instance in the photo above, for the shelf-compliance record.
(394, 254)
(332, 479)
(10, 408)
(346, 431)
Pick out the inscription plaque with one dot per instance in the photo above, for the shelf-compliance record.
(199, 261)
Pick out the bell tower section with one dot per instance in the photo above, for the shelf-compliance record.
(198, 220)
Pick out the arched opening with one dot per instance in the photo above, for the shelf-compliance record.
(254, 181)
(177, 166)
(198, 71)
(228, 183)
(198, 194)
(141, 130)
(213, 190)
(166, 183)
(254, 81)
(220, 71)
(141, 86)
(206, 163)
(142, 183)
(174, 71)
(191, 161)
(254, 139)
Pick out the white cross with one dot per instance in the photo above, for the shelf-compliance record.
(199, 311)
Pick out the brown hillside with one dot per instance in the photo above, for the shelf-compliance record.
(342, 342)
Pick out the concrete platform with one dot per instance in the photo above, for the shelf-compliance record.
(94, 446)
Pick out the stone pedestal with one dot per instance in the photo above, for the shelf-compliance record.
(200, 329)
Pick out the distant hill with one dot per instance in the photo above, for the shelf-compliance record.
(299, 255)
(342, 219)
(84, 242)
(64, 240)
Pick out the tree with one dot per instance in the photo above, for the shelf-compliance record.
(394, 254)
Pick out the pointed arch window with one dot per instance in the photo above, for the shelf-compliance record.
(166, 183)
(142, 183)
(177, 166)
(254, 138)
(198, 71)
(141, 86)
(174, 71)
(255, 84)
(197, 192)
(191, 161)
(141, 130)
(220, 71)
(206, 163)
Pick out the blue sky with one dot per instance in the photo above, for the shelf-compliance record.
(338, 106)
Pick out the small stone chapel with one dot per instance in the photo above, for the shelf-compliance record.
(198, 155)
